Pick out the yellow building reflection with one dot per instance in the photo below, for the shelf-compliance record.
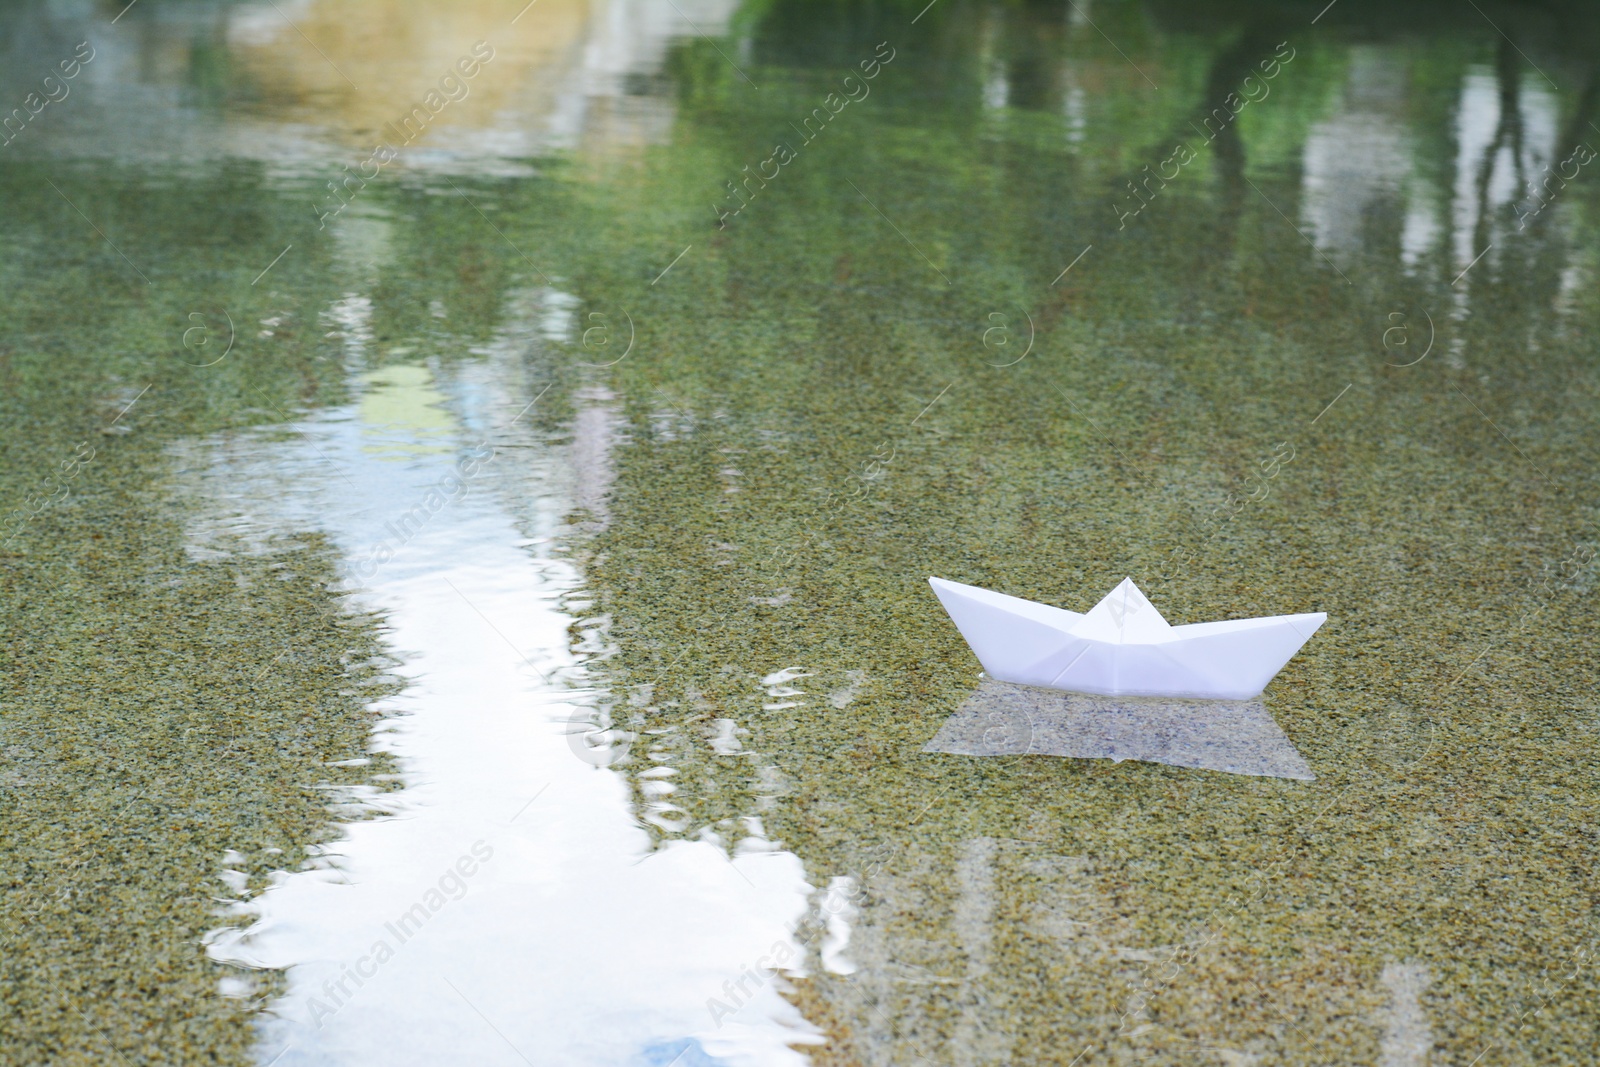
(500, 78)
(356, 66)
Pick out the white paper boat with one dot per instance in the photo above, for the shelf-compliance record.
(1122, 647)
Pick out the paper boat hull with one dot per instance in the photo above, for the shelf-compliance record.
(1027, 643)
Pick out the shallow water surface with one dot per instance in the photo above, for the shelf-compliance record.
(474, 471)
(504, 849)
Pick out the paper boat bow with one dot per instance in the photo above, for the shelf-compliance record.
(1122, 647)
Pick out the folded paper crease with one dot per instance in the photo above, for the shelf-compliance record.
(1122, 646)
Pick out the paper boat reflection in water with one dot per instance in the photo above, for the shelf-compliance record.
(1122, 647)
(1235, 736)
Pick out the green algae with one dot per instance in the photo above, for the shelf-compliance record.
(159, 710)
